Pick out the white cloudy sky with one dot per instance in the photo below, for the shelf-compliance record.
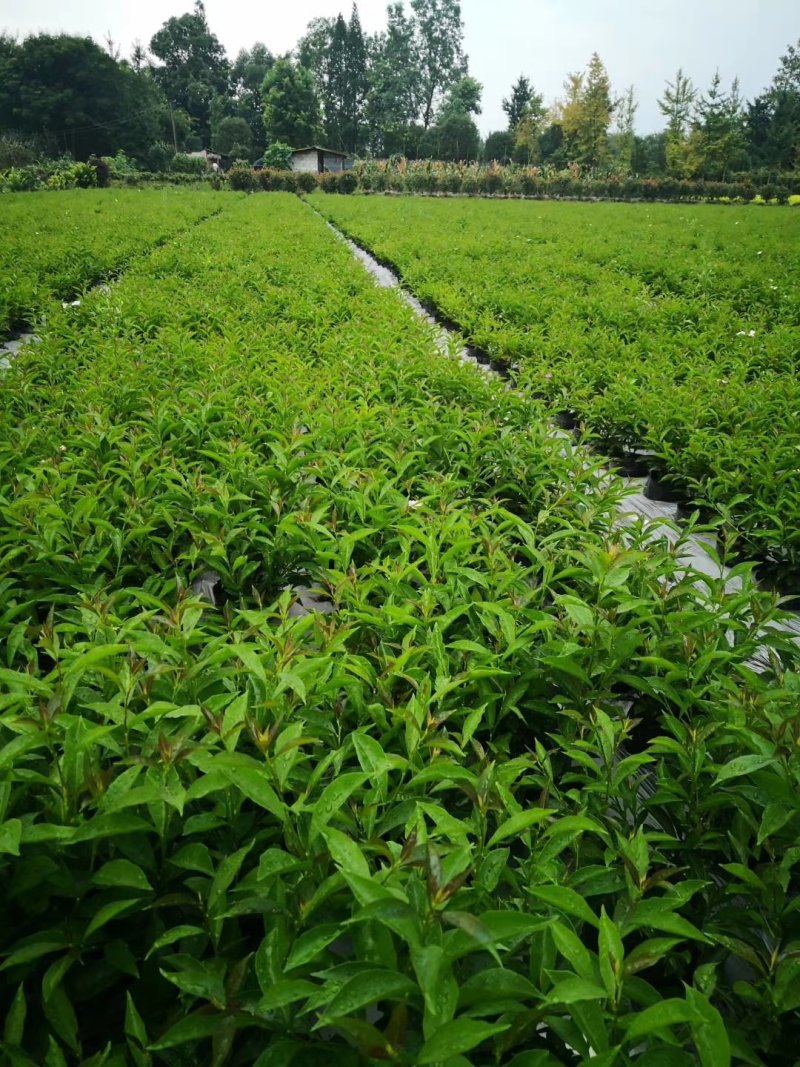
(642, 42)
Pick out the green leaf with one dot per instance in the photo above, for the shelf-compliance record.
(611, 955)
(657, 1017)
(284, 992)
(193, 1027)
(10, 837)
(121, 873)
(309, 945)
(742, 765)
(519, 823)
(177, 933)
(573, 950)
(333, 797)
(565, 899)
(572, 990)
(135, 1033)
(709, 1031)
(109, 912)
(14, 1025)
(251, 779)
(367, 988)
(457, 1036)
(345, 852)
(774, 818)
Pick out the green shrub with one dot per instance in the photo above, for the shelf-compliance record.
(242, 177)
(306, 181)
(17, 151)
(72, 176)
(158, 156)
(184, 164)
(278, 156)
(20, 179)
(348, 183)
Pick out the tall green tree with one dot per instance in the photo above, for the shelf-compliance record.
(597, 109)
(499, 146)
(69, 93)
(773, 118)
(291, 107)
(357, 87)
(453, 138)
(247, 76)
(625, 138)
(193, 67)
(528, 130)
(439, 45)
(718, 139)
(335, 52)
(464, 98)
(517, 102)
(677, 106)
(585, 114)
(232, 136)
(393, 96)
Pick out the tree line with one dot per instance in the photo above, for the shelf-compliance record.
(405, 90)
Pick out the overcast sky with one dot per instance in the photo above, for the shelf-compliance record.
(642, 42)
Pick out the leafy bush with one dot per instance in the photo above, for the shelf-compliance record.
(159, 156)
(183, 164)
(339, 724)
(121, 166)
(666, 330)
(102, 170)
(20, 179)
(69, 175)
(17, 152)
(242, 177)
(306, 181)
(278, 156)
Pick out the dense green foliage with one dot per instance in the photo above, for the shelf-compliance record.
(503, 790)
(386, 94)
(55, 246)
(673, 329)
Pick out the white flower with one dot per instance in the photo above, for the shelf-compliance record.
(751, 333)
(412, 505)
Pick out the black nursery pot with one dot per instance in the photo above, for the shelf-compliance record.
(566, 420)
(633, 464)
(781, 578)
(658, 488)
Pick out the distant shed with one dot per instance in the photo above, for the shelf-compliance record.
(319, 160)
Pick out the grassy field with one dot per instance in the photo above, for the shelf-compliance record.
(446, 770)
(667, 327)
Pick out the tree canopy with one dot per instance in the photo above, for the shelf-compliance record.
(406, 89)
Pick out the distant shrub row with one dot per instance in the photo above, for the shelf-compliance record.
(242, 177)
(493, 180)
(422, 177)
(444, 179)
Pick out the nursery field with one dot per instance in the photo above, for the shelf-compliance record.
(54, 244)
(669, 328)
(338, 722)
